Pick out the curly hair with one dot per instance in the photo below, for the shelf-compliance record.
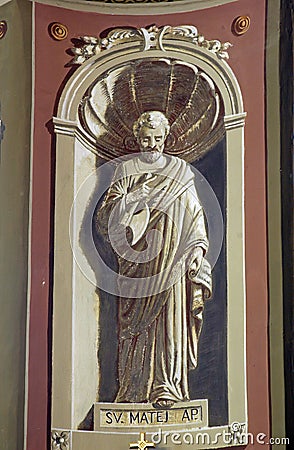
(151, 119)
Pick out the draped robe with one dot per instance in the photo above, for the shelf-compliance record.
(159, 320)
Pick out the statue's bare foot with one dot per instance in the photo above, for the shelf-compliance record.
(163, 403)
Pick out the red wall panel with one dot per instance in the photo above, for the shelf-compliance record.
(247, 62)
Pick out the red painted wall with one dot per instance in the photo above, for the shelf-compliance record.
(247, 62)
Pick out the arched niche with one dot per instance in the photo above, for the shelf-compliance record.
(76, 325)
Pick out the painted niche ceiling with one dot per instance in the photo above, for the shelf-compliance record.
(185, 94)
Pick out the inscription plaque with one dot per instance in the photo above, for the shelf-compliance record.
(193, 414)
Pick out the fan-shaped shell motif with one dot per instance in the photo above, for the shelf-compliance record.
(181, 91)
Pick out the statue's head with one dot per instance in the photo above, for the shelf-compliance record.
(151, 130)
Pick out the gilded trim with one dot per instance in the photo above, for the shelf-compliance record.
(241, 25)
(58, 31)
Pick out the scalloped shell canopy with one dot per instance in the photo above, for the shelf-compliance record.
(183, 93)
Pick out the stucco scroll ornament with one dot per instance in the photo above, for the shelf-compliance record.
(150, 38)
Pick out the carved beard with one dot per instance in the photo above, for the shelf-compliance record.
(152, 156)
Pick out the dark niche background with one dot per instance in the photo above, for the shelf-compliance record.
(209, 379)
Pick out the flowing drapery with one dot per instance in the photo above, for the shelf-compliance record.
(158, 323)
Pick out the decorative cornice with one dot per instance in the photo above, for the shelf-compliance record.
(130, 7)
(235, 121)
(66, 127)
(150, 38)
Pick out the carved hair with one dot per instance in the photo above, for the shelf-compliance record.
(151, 119)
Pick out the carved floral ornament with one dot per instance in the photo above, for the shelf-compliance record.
(60, 440)
(151, 38)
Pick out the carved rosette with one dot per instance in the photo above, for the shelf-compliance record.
(60, 440)
(150, 38)
(58, 31)
(241, 25)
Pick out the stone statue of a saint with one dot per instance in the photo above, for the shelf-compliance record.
(159, 320)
